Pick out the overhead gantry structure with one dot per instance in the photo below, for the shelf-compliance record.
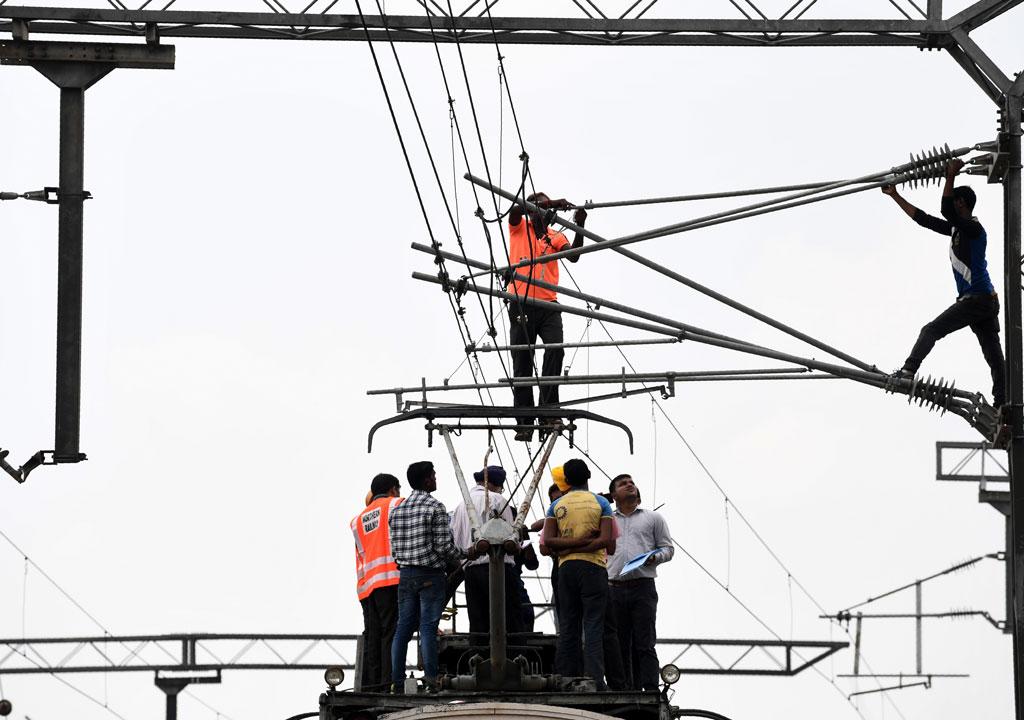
(586, 23)
(141, 32)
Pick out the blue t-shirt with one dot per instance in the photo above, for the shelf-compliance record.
(966, 248)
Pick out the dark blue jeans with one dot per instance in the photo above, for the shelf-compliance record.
(981, 314)
(582, 597)
(421, 596)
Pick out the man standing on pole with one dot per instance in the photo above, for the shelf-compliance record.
(530, 238)
(634, 597)
(977, 304)
(377, 581)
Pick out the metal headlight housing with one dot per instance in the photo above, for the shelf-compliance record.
(670, 674)
(334, 676)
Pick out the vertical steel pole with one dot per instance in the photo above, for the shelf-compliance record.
(73, 78)
(1007, 561)
(918, 621)
(69, 273)
(172, 706)
(1014, 378)
(499, 639)
(856, 645)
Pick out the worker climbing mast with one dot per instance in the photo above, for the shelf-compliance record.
(977, 303)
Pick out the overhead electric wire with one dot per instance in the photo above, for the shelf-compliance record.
(459, 316)
(70, 685)
(746, 522)
(533, 460)
(29, 561)
(703, 196)
(465, 155)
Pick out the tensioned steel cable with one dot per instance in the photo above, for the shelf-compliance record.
(70, 685)
(455, 302)
(480, 138)
(30, 562)
(488, 316)
(493, 196)
(419, 125)
(483, 151)
(465, 155)
(746, 522)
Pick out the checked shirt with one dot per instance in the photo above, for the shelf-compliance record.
(421, 534)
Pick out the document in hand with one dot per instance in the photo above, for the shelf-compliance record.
(636, 563)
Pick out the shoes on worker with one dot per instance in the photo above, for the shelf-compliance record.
(902, 374)
(524, 434)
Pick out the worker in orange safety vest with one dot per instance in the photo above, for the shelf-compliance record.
(377, 581)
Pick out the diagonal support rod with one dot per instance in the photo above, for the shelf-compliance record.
(703, 289)
(570, 292)
(474, 516)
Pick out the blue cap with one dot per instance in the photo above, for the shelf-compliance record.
(495, 475)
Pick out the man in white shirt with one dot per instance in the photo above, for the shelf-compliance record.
(633, 596)
(490, 503)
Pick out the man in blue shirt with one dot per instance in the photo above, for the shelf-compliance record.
(977, 304)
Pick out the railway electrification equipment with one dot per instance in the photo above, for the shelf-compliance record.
(472, 24)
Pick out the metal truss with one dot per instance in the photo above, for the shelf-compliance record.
(981, 463)
(746, 657)
(973, 462)
(198, 653)
(192, 653)
(583, 22)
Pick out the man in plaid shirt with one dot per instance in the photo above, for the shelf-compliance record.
(422, 545)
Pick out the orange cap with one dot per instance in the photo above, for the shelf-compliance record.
(369, 497)
(558, 475)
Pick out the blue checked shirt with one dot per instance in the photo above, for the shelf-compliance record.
(421, 534)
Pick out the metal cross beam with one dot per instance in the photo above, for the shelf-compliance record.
(555, 28)
(192, 652)
(208, 652)
(460, 413)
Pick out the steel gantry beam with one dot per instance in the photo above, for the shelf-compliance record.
(212, 652)
(472, 22)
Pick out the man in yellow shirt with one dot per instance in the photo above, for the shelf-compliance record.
(578, 528)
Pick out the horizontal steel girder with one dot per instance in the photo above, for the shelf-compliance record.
(208, 652)
(122, 55)
(552, 30)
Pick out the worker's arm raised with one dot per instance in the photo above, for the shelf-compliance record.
(580, 217)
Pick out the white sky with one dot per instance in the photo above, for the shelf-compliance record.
(247, 280)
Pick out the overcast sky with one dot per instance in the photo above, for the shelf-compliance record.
(247, 279)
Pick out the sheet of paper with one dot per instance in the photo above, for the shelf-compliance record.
(636, 563)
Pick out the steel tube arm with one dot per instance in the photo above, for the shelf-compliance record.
(570, 292)
(602, 242)
(474, 516)
(473, 287)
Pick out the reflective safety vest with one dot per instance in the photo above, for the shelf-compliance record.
(375, 567)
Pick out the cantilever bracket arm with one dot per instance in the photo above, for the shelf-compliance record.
(459, 412)
(43, 457)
